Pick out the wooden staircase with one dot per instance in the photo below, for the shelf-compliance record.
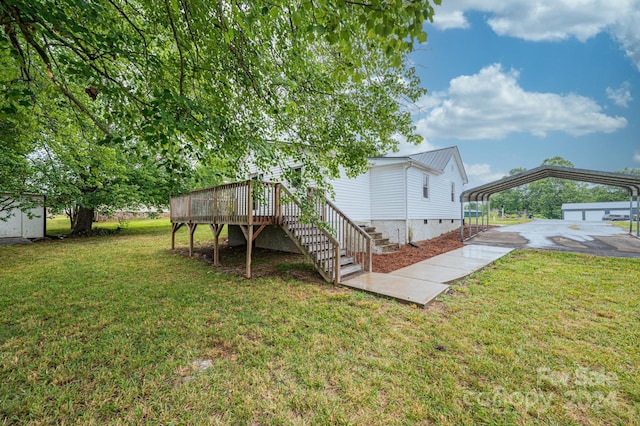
(320, 249)
(381, 245)
(337, 247)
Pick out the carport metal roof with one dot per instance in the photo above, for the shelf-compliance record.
(483, 192)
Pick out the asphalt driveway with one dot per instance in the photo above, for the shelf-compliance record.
(598, 238)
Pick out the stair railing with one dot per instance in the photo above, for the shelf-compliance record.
(326, 256)
(352, 238)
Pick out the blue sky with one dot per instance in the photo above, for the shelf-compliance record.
(512, 83)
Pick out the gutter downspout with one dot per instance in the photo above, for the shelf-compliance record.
(406, 202)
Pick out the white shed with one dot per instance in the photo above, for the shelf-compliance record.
(14, 223)
(594, 212)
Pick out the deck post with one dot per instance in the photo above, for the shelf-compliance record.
(174, 228)
(192, 229)
(249, 249)
(216, 229)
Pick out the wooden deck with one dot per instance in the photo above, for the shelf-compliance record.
(336, 246)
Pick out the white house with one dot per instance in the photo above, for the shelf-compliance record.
(407, 198)
(15, 223)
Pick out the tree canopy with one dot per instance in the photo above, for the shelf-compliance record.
(177, 85)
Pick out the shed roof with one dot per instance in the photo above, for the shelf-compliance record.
(483, 192)
(621, 205)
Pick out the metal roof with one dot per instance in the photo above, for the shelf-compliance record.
(436, 160)
(483, 192)
(619, 205)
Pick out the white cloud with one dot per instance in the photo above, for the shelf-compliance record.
(491, 105)
(548, 20)
(636, 157)
(620, 96)
(481, 173)
(406, 148)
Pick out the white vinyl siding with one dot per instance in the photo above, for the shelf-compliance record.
(388, 192)
(353, 196)
(439, 204)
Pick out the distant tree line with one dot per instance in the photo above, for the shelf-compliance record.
(544, 198)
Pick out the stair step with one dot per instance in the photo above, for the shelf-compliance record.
(351, 269)
(380, 241)
(301, 232)
(375, 235)
(347, 260)
(327, 254)
(368, 229)
(386, 248)
(312, 239)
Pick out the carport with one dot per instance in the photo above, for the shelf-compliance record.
(482, 194)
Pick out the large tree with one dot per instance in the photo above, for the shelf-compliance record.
(321, 81)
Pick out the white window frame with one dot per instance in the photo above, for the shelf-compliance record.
(425, 186)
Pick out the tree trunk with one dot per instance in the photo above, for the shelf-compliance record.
(82, 221)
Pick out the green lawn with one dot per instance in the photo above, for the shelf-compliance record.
(119, 330)
(625, 225)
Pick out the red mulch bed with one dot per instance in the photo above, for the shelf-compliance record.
(408, 255)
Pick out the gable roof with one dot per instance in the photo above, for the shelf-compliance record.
(435, 160)
(439, 158)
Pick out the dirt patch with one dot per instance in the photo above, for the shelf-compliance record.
(267, 263)
(264, 263)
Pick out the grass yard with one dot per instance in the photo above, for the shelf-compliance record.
(625, 225)
(497, 220)
(119, 330)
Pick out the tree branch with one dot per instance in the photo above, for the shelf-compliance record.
(177, 39)
(49, 72)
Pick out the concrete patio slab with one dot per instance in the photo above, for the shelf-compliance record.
(406, 289)
(422, 282)
(434, 273)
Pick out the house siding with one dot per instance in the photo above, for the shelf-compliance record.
(387, 192)
(439, 204)
(353, 197)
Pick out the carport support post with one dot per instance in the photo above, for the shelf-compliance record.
(461, 220)
(631, 212)
(638, 215)
(469, 209)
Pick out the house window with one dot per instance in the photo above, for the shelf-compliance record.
(425, 186)
(453, 191)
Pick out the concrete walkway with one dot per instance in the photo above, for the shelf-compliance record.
(421, 282)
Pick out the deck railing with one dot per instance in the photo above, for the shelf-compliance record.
(249, 202)
(325, 235)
